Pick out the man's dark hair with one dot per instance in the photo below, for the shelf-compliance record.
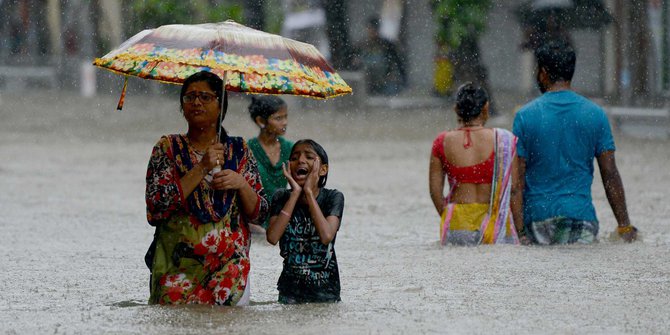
(558, 59)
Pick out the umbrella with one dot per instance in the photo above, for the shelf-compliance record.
(248, 60)
(571, 14)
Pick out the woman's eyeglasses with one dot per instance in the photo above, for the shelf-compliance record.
(204, 97)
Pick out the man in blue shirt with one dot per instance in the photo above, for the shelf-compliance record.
(560, 133)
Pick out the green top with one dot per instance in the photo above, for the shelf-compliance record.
(271, 175)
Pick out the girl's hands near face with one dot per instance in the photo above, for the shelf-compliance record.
(294, 185)
(228, 180)
(213, 153)
(313, 176)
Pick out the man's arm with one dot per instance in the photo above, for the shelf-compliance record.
(615, 194)
(516, 201)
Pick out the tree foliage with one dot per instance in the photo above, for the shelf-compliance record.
(144, 14)
(460, 18)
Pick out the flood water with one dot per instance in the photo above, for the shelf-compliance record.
(73, 234)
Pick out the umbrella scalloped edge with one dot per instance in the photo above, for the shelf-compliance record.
(286, 73)
(246, 82)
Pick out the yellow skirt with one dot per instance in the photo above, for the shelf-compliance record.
(465, 223)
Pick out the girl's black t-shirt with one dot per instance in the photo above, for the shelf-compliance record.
(310, 272)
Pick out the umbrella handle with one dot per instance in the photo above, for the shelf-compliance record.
(224, 105)
(122, 98)
(224, 108)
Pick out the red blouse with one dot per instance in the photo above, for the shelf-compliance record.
(481, 173)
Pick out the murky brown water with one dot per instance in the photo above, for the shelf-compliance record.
(73, 234)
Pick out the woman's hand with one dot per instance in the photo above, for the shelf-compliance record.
(228, 180)
(294, 185)
(313, 177)
(213, 157)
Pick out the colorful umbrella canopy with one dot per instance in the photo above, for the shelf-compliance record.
(252, 61)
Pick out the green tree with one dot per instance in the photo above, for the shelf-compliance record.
(265, 15)
(460, 25)
(144, 14)
(459, 20)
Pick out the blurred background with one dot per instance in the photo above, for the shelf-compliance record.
(622, 45)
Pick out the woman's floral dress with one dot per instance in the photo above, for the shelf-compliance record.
(200, 253)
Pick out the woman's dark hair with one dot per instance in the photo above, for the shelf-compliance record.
(470, 100)
(558, 59)
(215, 84)
(323, 156)
(264, 106)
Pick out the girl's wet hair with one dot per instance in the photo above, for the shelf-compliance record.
(264, 106)
(213, 81)
(470, 101)
(323, 156)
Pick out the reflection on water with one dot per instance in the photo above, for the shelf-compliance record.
(74, 235)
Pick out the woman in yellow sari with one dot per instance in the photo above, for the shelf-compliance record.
(485, 198)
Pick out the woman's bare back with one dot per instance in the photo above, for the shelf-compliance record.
(480, 147)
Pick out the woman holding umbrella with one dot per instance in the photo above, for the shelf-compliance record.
(200, 252)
